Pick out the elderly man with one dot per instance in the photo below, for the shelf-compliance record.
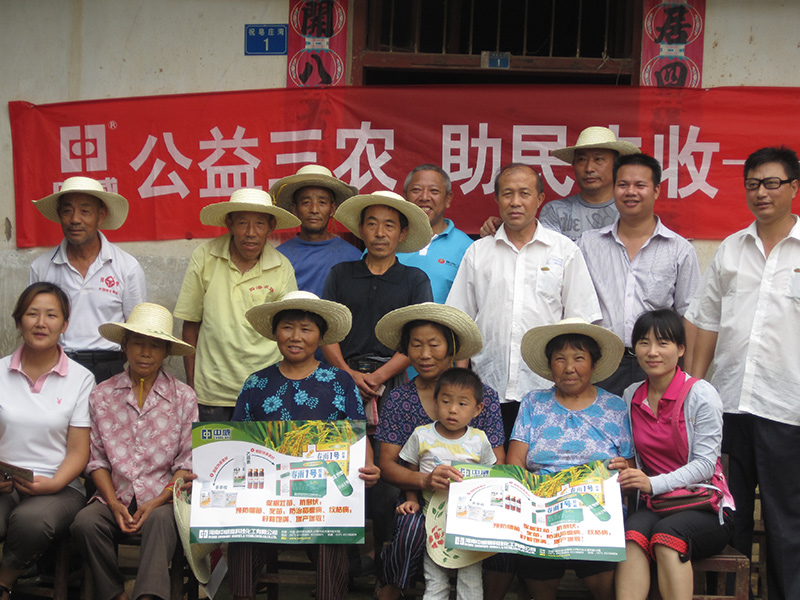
(522, 277)
(312, 195)
(747, 309)
(637, 264)
(592, 159)
(429, 187)
(103, 282)
(225, 278)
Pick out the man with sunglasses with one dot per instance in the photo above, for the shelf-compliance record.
(747, 309)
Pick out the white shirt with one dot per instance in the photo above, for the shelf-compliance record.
(114, 284)
(509, 291)
(753, 303)
(663, 274)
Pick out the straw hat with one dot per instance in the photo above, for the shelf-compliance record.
(535, 340)
(419, 227)
(310, 175)
(196, 554)
(435, 522)
(116, 205)
(337, 316)
(251, 200)
(152, 320)
(390, 327)
(596, 137)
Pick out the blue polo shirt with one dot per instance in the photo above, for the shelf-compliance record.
(440, 259)
(312, 261)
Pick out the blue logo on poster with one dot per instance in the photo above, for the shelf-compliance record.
(265, 40)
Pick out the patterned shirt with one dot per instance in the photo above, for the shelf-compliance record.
(403, 412)
(142, 448)
(573, 215)
(559, 438)
(328, 394)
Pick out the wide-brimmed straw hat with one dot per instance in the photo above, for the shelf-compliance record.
(310, 176)
(389, 329)
(535, 340)
(596, 137)
(419, 227)
(247, 200)
(116, 205)
(152, 320)
(196, 554)
(435, 522)
(337, 316)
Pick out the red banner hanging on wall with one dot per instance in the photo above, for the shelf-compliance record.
(172, 155)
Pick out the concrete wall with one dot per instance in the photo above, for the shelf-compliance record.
(65, 50)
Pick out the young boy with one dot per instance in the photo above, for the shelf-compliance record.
(449, 439)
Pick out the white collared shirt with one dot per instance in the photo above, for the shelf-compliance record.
(113, 285)
(664, 274)
(509, 291)
(753, 302)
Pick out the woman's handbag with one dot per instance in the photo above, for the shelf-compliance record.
(698, 496)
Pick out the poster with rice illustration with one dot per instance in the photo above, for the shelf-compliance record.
(279, 481)
(573, 514)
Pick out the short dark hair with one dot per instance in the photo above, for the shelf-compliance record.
(295, 314)
(665, 323)
(644, 160)
(448, 334)
(774, 154)
(577, 341)
(517, 165)
(429, 167)
(403, 219)
(41, 287)
(463, 379)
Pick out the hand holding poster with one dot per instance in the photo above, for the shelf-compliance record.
(278, 481)
(575, 513)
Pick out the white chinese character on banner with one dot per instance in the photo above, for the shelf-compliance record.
(365, 138)
(531, 145)
(110, 184)
(294, 138)
(223, 180)
(683, 156)
(83, 152)
(455, 156)
(148, 189)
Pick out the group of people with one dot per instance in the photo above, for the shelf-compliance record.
(548, 343)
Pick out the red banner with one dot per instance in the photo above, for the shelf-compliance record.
(172, 155)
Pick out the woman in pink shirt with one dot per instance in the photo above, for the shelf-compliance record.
(669, 458)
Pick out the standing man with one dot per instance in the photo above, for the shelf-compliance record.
(429, 187)
(592, 159)
(102, 281)
(748, 310)
(637, 264)
(522, 277)
(225, 278)
(312, 195)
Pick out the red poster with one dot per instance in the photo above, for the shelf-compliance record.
(317, 43)
(672, 43)
(172, 155)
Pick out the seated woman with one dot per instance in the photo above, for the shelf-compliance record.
(432, 336)
(141, 444)
(44, 427)
(662, 465)
(570, 424)
(299, 388)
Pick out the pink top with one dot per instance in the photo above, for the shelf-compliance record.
(60, 368)
(652, 435)
(142, 448)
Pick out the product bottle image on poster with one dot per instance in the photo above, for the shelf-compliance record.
(339, 478)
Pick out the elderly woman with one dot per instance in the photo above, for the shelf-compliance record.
(44, 428)
(432, 336)
(666, 397)
(570, 424)
(299, 388)
(141, 443)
